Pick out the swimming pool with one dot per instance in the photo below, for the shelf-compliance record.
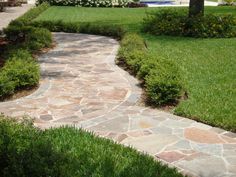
(159, 2)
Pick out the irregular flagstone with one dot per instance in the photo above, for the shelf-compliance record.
(204, 165)
(202, 136)
(151, 144)
(82, 87)
(171, 156)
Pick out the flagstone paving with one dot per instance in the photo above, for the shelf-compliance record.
(82, 86)
(12, 13)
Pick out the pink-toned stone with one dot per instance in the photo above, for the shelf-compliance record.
(202, 136)
(188, 152)
(228, 139)
(170, 156)
(135, 133)
(121, 137)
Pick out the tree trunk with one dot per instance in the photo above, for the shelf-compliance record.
(196, 8)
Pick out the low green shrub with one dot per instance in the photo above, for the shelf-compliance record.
(163, 84)
(228, 3)
(70, 152)
(29, 37)
(39, 38)
(177, 23)
(102, 29)
(87, 3)
(20, 71)
(116, 31)
(210, 26)
(17, 33)
(132, 52)
(57, 26)
(162, 79)
(6, 87)
(27, 17)
(134, 60)
(138, 42)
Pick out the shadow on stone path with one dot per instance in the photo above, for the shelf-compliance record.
(82, 86)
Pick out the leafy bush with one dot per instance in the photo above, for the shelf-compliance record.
(6, 87)
(228, 3)
(137, 43)
(57, 26)
(38, 39)
(29, 37)
(136, 5)
(87, 3)
(17, 33)
(163, 84)
(70, 152)
(30, 15)
(20, 71)
(102, 29)
(177, 23)
(162, 79)
(116, 31)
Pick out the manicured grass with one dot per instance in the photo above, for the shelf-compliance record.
(208, 65)
(129, 17)
(70, 152)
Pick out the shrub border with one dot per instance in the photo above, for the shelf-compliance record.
(23, 43)
(170, 89)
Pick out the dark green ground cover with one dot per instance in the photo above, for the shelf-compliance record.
(69, 152)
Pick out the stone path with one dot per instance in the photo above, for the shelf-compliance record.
(12, 13)
(82, 86)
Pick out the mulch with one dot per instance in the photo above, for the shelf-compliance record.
(3, 43)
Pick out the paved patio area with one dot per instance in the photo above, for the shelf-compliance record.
(82, 86)
(12, 13)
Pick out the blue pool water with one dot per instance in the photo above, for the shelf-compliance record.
(158, 2)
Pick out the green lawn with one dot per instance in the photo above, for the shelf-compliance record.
(208, 65)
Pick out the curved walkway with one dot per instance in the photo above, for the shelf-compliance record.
(82, 86)
(12, 13)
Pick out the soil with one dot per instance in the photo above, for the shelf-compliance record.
(20, 93)
(3, 43)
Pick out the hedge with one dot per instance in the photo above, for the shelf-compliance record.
(162, 78)
(87, 3)
(20, 70)
(116, 31)
(177, 23)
